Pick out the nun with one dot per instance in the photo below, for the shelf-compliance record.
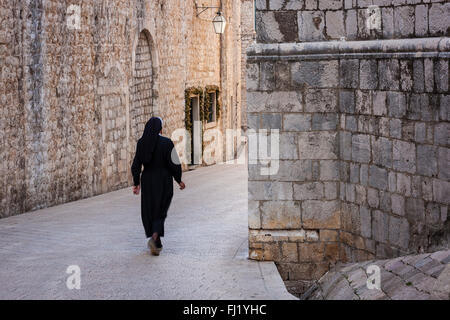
(161, 165)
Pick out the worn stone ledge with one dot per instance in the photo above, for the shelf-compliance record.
(398, 48)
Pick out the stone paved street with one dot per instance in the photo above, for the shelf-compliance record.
(415, 277)
(204, 256)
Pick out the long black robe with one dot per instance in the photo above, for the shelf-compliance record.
(156, 183)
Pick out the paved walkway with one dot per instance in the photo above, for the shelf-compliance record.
(204, 256)
(415, 277)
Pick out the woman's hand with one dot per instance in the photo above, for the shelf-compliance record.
(136, 189)
(182, 185)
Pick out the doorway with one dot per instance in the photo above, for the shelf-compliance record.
(196, 141)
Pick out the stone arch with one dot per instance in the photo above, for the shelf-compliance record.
(143, 93)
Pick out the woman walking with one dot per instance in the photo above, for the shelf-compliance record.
(160, 160)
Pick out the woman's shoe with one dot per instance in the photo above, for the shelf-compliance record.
(153, 247)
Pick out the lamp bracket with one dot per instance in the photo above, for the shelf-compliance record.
(203, 9)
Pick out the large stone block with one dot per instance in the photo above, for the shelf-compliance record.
(366, 222)
(361, 148)
(415, 209)
(296, 122)
(289, 101)
(363, 102)
(276, 26)
(398, 204)
(379, 103)
(421, 20)
(347, 101)
(378, 178)
(317, 145)
(396, 104)
(345, 145)
(389, 74)
(318, 214)
(321, 100)
(404, 156)
(349, 69)
(380, 226)
(319, 74)
(442, 134)
(293, 170)
(441, 191)
(329, 170)
(335, 24)
(289, 252)
(399, 232)
(254, 217)
(267, 76)
(271, 121)
(288, 146)
(308, 191)
(368, 76)
(404, 184)
(269, 190)
(280, 215)
(324, 121)
(404, 21)
(382, 151)
(444, 163)
(252, 76)
(311, 25)
(427, 160)
(438, 25)
(330, 4)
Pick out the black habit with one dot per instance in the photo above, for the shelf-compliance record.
(154, 152)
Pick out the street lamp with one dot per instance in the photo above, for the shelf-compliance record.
(219, 23)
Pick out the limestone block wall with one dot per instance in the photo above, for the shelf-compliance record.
(74, 99)
(364, 151)
(320, 20)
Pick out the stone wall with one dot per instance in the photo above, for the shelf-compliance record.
(74, 99)
(248, 36)
(319, 20)
(364, 150)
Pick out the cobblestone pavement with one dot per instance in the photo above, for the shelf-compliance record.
(414, 277)
(204, 256)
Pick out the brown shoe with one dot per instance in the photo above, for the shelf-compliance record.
(154, 247)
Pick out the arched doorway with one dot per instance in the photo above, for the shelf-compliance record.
(142, 97)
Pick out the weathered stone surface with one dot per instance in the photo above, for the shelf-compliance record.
(261, 190)
(329, 170)
(317, 145)
(427, 160)
(347, 101)
(308, 191)
(321, 74)
(280, 215)
(399, 232)
(296, 122)
(278, 26)
(380, 226)
(382, 151)
(361, 148)
(324, 100)
(378, 177)
(271, 121)
(335, 24)
(324, 121)
(318, 214)
(274, 102)
(311, 25)
(368, 76)
(404, 156)
(349, 69)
